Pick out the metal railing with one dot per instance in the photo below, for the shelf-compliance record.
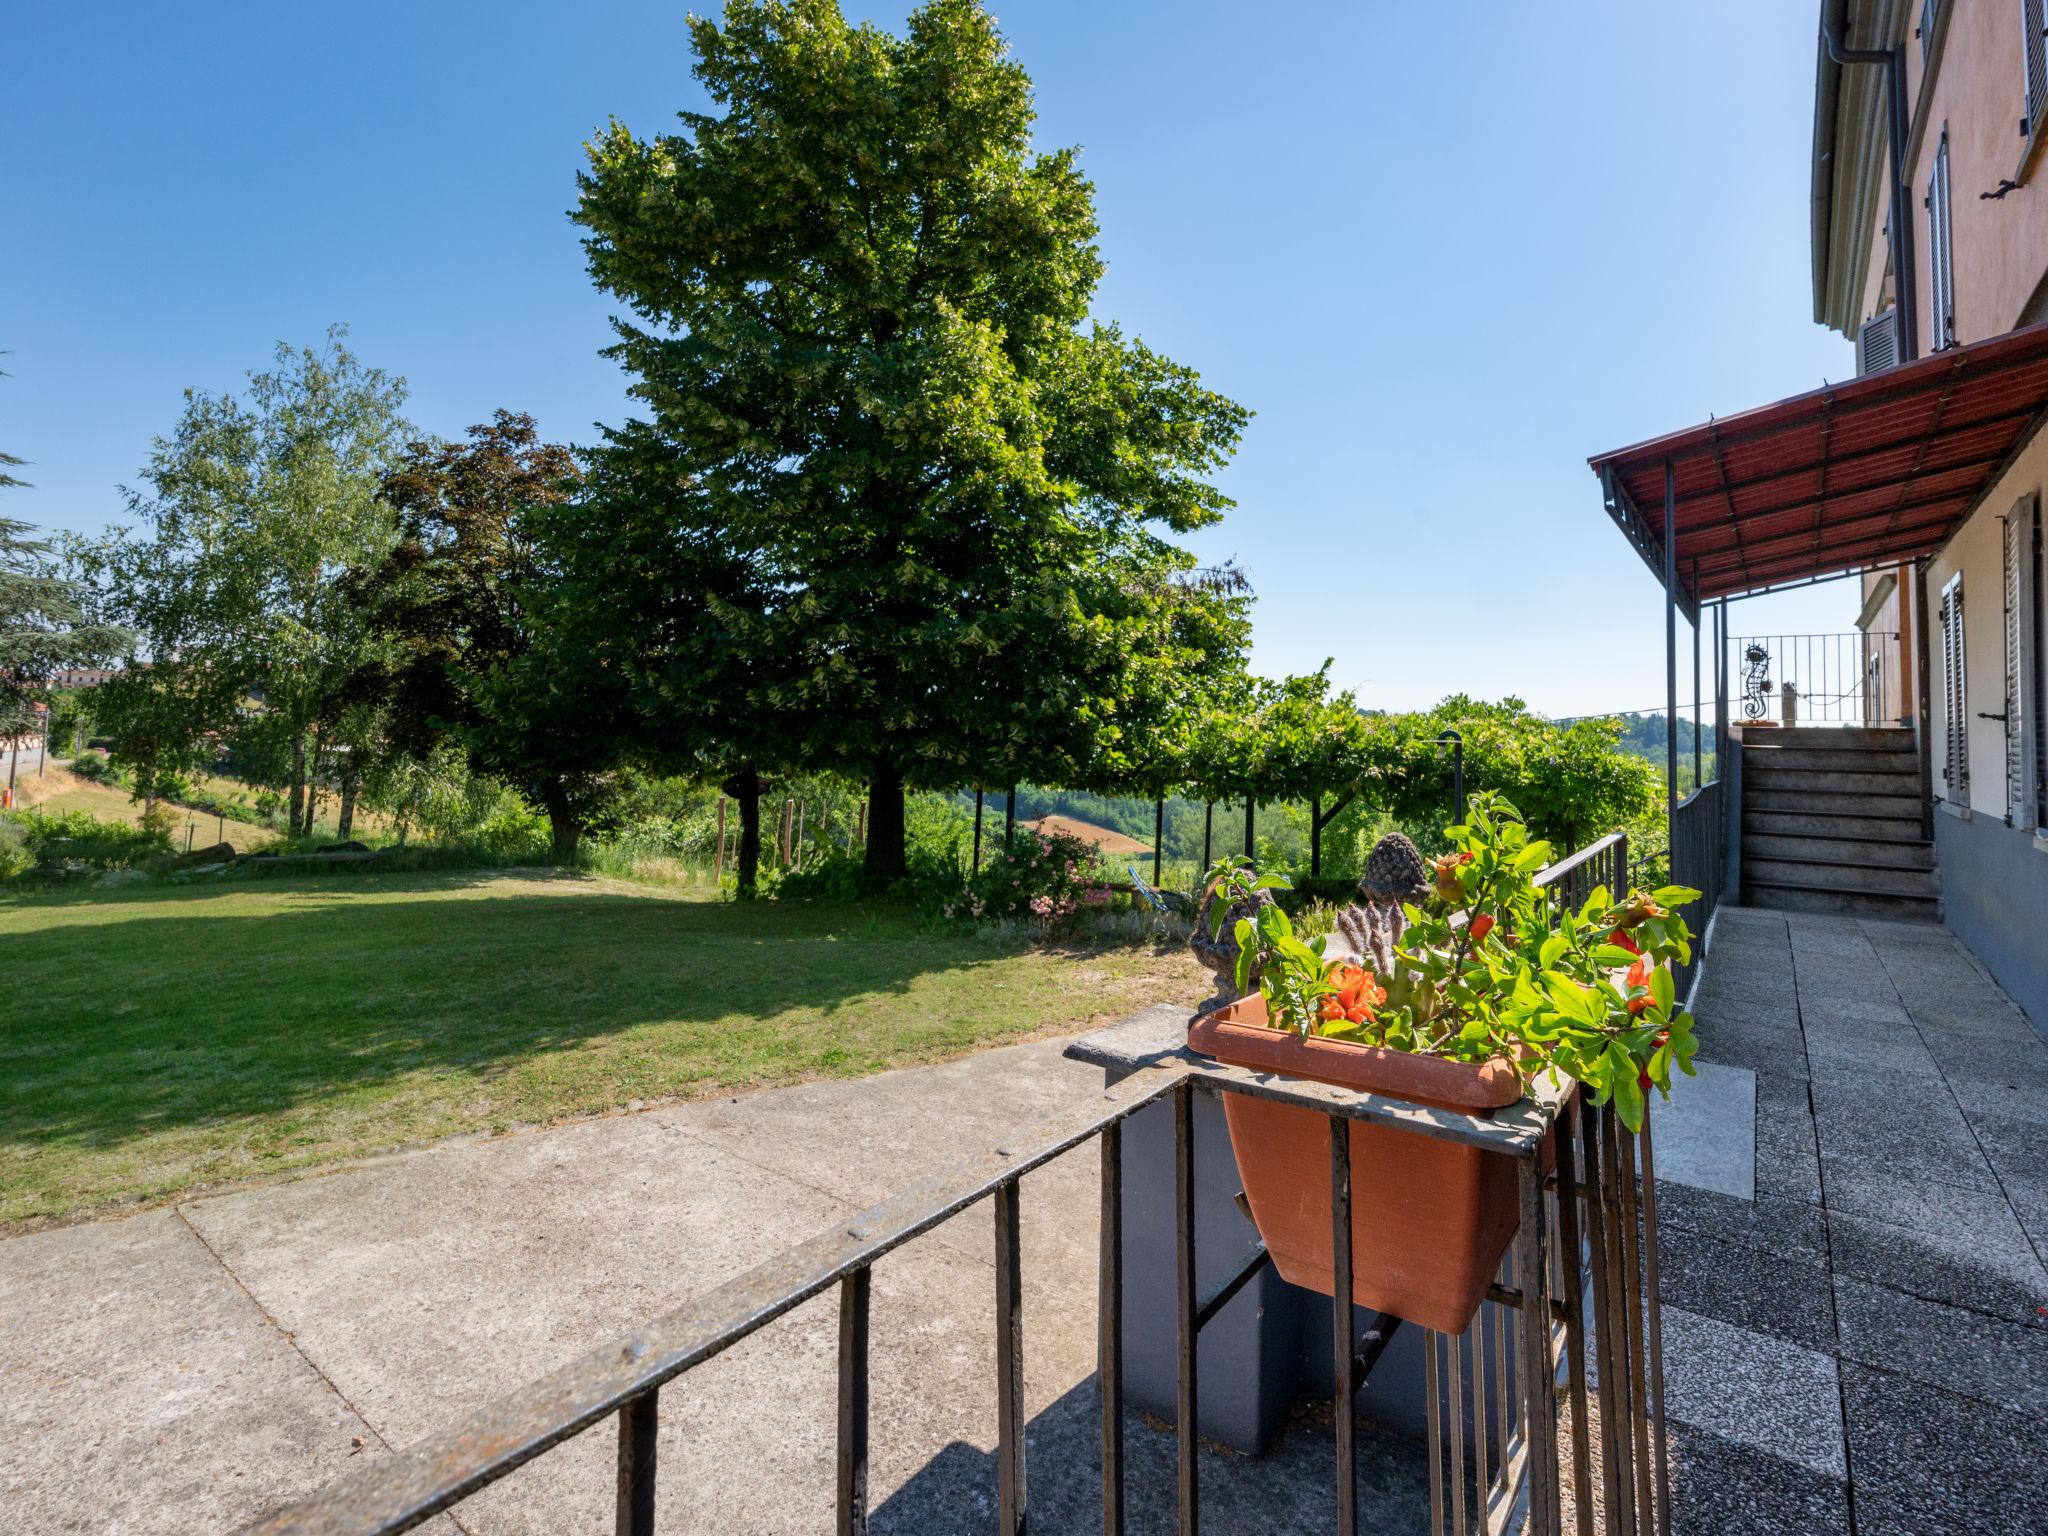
(1699, 857)
(1588, 1216)
(1849, 678)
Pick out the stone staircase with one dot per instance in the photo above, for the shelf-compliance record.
(1831, 823)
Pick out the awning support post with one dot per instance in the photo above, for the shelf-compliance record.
(1670, 667)
(1697, 621)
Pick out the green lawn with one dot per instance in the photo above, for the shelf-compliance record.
(159, 1040)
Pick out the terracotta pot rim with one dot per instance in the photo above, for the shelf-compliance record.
(1238, 1035)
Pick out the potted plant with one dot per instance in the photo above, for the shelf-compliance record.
(1490, 984)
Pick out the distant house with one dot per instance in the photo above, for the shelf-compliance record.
(80, 677)
(1107, 842)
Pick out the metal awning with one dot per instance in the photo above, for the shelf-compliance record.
(1866, 473)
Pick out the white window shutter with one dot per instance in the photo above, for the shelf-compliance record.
(2019, 539)
(1955, 693)
(2035, 51)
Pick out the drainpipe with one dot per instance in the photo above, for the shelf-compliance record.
(1894, 62)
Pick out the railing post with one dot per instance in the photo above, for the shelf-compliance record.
(1655, 1303)
(1539, 1401)
(1109, 1360)
(853, 1403)
(638, 1424)
(1009, 1363)
(1184, 1302)
(1344, 1361)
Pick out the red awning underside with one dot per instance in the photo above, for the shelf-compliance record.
(1863, 474)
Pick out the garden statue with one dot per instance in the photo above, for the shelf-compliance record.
(1215, 944)
(1365, 934)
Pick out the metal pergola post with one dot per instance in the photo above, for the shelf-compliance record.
(977, 831)
(1697, 621)
(1670, 662)
(1158, 837)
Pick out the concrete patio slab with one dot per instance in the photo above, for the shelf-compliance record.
(1705, 1134)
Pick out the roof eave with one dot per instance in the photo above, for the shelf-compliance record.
(1827, 85)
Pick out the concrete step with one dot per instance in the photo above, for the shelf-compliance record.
(1872, 852)
(1808, 801)
(1822, 875)
(1802, 898)
(1889, 738)
(1829, 760)
(1810, 821)
(1762, 775)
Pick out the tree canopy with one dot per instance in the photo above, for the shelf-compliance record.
(238, 580)
(859, 326)
(467, 612)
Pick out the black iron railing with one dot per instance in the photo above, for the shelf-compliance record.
(1853, 677)
(1585, 1218)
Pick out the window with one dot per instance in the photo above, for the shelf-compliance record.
(1941, 286)
(2034, 48)
(1955, 701)
(1925, 30)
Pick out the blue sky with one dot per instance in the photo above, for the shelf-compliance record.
(1444, 252)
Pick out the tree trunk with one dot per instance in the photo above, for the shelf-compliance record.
(563, 826)
(745, 788)
(348, 807)
(299, 821)
(887, 856)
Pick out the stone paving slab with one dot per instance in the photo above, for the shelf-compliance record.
(1902, 1197)
(142, 1389)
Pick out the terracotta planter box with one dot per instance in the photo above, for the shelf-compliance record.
(1430, 1219)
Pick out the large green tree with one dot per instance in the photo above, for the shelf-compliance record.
(43, 625)
(258, 515)
(859, 329)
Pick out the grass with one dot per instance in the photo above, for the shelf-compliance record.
(162, 1040)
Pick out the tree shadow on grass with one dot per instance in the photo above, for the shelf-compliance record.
(222, 1006)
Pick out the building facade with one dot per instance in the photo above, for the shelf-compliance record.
(1956, 253)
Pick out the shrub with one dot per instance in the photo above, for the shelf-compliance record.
(1046, 878)
(53, 838)
(16, 857)
(515, 830)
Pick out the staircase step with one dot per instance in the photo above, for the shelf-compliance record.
(1829, 760)
(1867, 852)
(1816, 821)
(1889, 738)
(1899, 806)
(1801, 898)
(1757, 775)
(1840, 877)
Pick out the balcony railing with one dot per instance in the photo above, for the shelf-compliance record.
(1588, 1232)
(1854, 677)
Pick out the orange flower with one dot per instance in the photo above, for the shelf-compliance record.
(1480, 927)
(1619, 936)
(1358, 993)
(1639, 907)
(1448, 883)
(1639, 976)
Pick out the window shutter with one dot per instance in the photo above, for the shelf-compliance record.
(1941, 271)
(1877, 342)
(2019, 531)
(2035, 48)
(1954, 693)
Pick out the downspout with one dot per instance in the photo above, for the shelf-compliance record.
(1903, 278)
